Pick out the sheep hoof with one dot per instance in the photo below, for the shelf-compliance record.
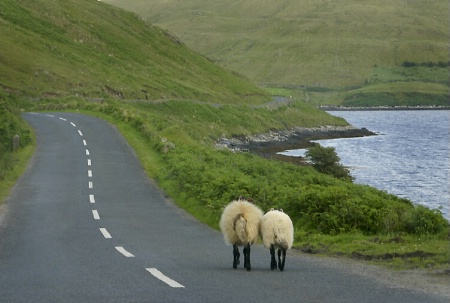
(273, 264)
(236, 263)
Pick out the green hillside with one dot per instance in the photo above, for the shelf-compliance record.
(311, 43)
(88, 48)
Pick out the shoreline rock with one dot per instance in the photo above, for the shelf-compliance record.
(269, 144)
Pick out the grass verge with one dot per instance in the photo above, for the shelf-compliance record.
(10, 176)
(395, 251)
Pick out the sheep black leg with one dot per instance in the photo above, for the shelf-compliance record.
(236, 256)
(247, 257)
(273, 261)
(281, 259)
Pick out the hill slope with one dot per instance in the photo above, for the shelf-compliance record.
(308, 42)
(89, 48)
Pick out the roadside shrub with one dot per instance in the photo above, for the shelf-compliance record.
(422, 220)
(212, 178)
(10, 125)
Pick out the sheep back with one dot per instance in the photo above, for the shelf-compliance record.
(240, 222)
(277, 229)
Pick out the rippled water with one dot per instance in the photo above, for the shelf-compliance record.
(410, 158)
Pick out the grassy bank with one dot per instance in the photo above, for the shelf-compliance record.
(16, 143)
(54, 48)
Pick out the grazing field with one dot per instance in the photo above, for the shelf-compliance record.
(308, 42)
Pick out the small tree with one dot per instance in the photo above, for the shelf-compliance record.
(325, 160)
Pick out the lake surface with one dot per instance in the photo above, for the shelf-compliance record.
(409, 158)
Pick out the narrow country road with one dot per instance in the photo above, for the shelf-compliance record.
(85, 224)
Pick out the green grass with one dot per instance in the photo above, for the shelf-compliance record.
(17, 166)
(437, 75)
(393, 251)
(396, 91)
(309, 42)
(53, 48)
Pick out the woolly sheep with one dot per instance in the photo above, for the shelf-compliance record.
(240, 222)
(277, 232)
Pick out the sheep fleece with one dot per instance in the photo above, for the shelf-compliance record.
(240, 222)
(277, 229)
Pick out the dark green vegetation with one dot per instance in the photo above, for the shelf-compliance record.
(325, 160)
(347, 52)
(15, 142)
(175, 136)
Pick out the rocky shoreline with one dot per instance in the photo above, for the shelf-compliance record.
(270, 144)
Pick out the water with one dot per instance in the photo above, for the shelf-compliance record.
(410, 158)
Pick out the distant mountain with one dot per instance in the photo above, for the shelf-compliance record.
(305, 42)
(89, 48)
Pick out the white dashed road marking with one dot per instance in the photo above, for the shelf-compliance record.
(105, 233)
(157, 274)
(124, 252)
(95, 214)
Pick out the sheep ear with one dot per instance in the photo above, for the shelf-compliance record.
(272, 209)
(281, 210)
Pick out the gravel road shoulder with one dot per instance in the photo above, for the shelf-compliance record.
(422, 280)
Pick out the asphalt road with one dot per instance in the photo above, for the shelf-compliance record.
(85, 224)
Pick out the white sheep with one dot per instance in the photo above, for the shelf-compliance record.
(277, 232)
(240, 222)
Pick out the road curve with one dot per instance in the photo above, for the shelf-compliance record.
(85, 224)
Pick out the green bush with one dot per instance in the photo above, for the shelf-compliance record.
(212, 178)
(325, 160)
(422, 220)
(11, 125)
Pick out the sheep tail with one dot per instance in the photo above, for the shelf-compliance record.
(240, 226)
